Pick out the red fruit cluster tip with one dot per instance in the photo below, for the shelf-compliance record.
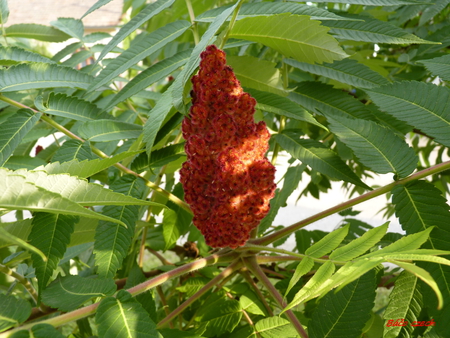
(227, 179)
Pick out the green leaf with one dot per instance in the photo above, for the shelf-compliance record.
(302, 268)
(310, 289)
(422, 105)
(360, 245)
(14, 130)
(45, 331)
(147, 299)
(108, 130)
(149, 76)
(424, 276)
(222, 315)
(431, 10)
(34, 198)
(194, 60)
(281, 106)
(85, 168)
(344, 314)
(13, 55)
(372, 2)
(18, 229)
(123, 316)
(410, 242)
(144, 15)
(70, 26)
(405, 302)
(275, 327)
(13, 311)
(51, 234)
(294, 36)
(372, 30)
(24, 162)
(267, 9)
(71, 150)
(317, 156)
(12, 239)
(140, 48)
(346, 71)
(111, 240)
(4, 11)
(327, 243)
(96, 6)
(375, 146)
(156, 118)
(258, 74)
(37, 32)
(71, 107)
(42, 75)
(68, 293)
(439, 66)
(170, 230)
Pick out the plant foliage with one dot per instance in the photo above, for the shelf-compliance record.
(96, 239)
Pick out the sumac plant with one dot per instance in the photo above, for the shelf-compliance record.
(141, 172)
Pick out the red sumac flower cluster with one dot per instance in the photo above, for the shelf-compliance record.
(227, 179)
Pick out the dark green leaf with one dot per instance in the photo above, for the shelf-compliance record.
(70, 26)
(12, 55)
(108, 130)
(13, 311)
(68, 293)
(73, 149)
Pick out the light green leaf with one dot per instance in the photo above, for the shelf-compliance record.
(96, 6)
(317, 156)
(144, 15)
(310, 289)
(346, 71)
(70, 26)
(4, 13)
(12, 239)
(305, 265)
(360, 245)
(345, 313)
(18, 229)
(149, 76)
(431, 10)
(35, 198)
(37, 32)
(372, 30)
(68, 50)
(405, 302)
(375, 146)
(409, 242)
(51, 234)
(14, 130)
(74, 149)
(85, 168)
(327, 243)
(439, 66)
(68, 293)
(123, 316)
(13, 311)
(294, 36)
(108, 130)
(42, 75)
(372, 2)
(12, 55)
(258, 74)
(424, 276)
(170, 230)
(71, 107)
(79, 190)
(112, 241)
(422, 105)
(267, 9)
(194, 60)
(419, 256)
(141, 47)
(275, 327)
(156, 118)
(282, 106)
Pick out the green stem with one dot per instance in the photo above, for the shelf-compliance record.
(226, 272)
(230, 26)
(101, 154)
(253, 266)
(21, 279)
(194, 24)
(350, 203)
